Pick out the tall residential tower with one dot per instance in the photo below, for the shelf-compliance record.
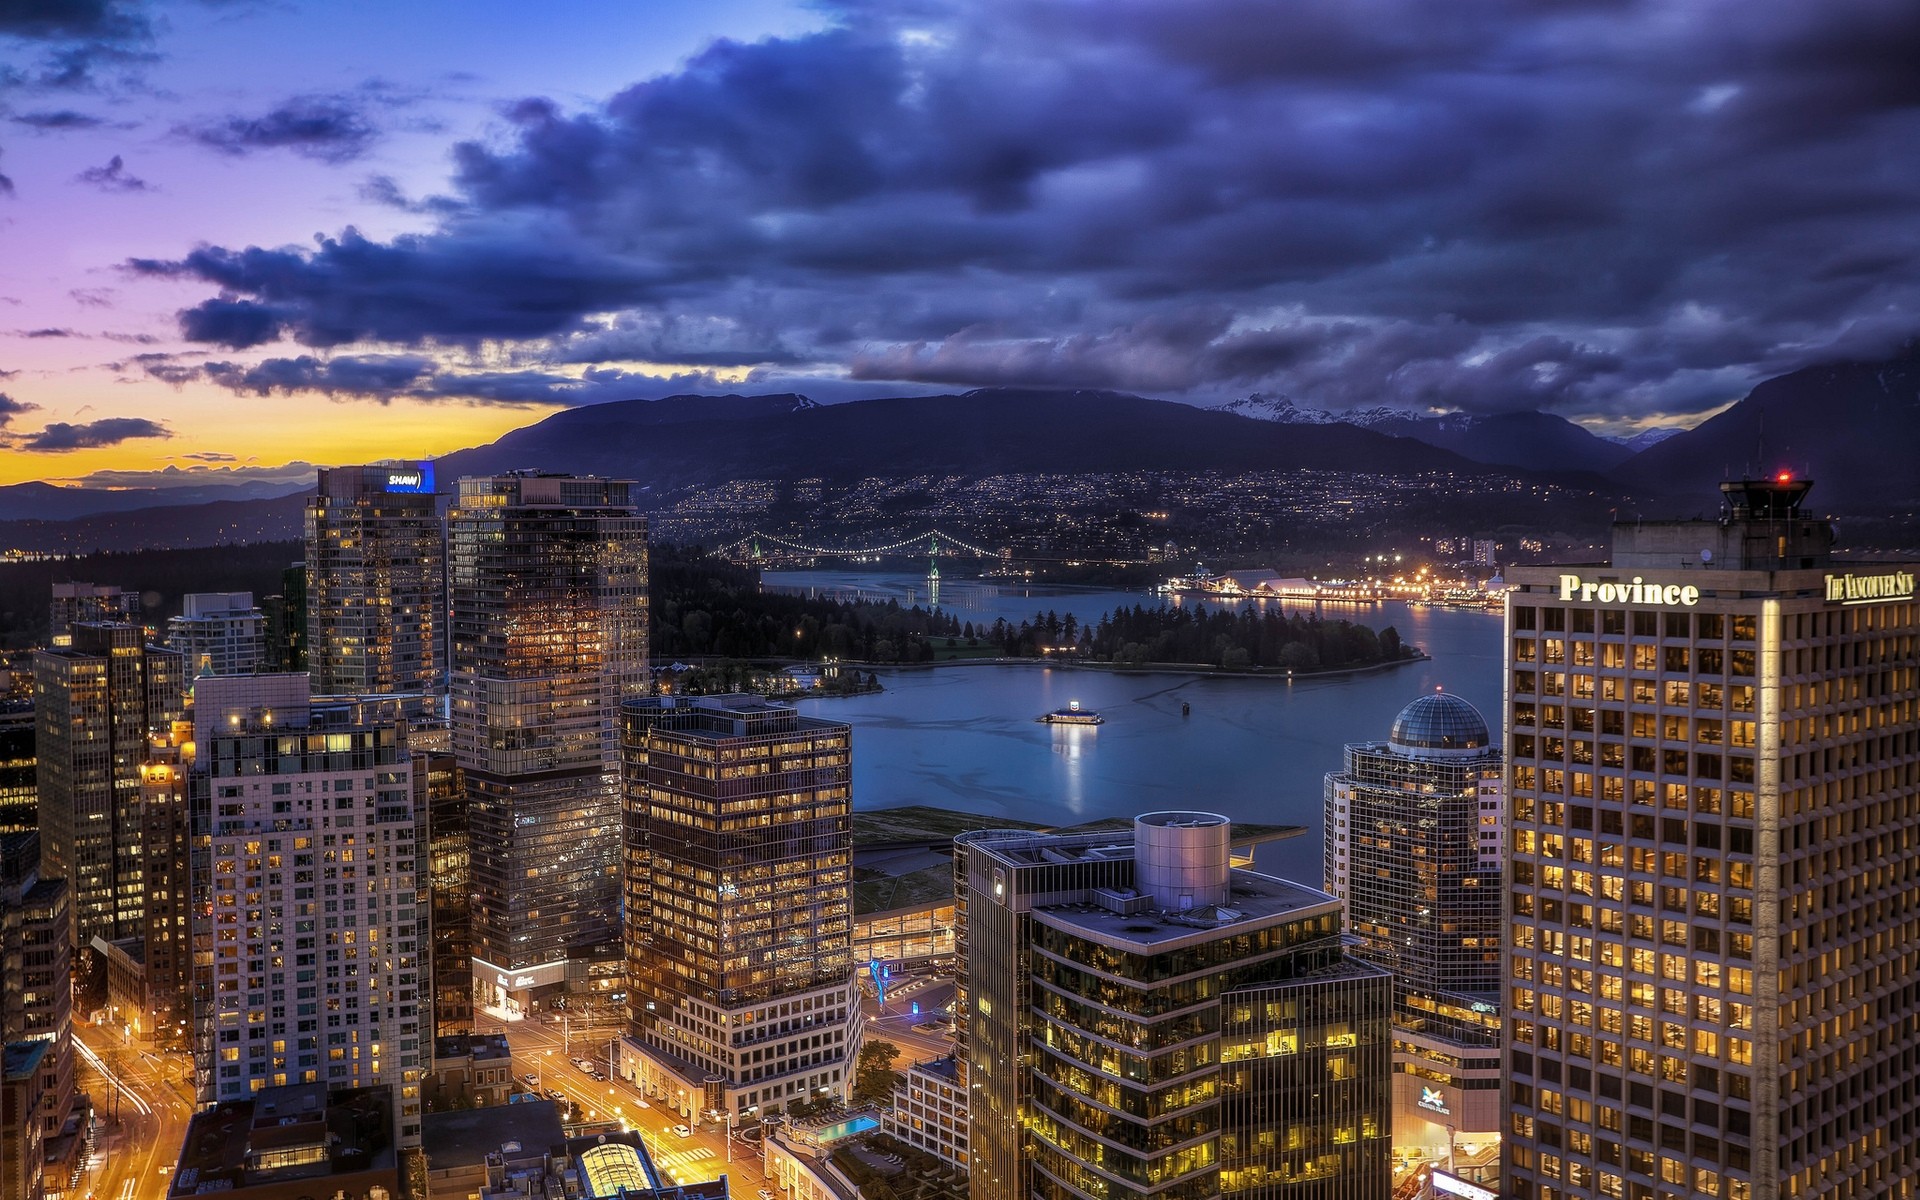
(549, 591)
(97, 700)
(1715, 870)
(307, 930)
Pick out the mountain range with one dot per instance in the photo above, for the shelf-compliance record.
(1852, 427)
(1516, 439)
(677, 442)
(37, 501)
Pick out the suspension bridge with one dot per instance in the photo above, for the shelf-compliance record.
(934, 543)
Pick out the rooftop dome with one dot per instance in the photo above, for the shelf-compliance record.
(1440, 722)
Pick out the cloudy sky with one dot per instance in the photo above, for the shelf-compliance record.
(238, 234)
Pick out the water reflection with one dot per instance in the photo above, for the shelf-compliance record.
(965, 738)
(1073, 745)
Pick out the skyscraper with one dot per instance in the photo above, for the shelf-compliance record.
(1413, 851)
(218, 633)
(739, 903)
(549, 589)
(36, 988)
(19, 768)
(1144, 1019)
(165, 834)
(307, 927)
(96, 702)
(375, 582)
(1715, 763)
(440, 791)
(90, 603)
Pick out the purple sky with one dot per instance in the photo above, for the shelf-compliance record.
(235, 235)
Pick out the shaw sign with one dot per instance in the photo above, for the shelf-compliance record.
(1870, 589)
(1638, 594)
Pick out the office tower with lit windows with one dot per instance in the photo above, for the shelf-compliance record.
(375, 582)
(307, 927)
(19, 768)
(165, 941)
(548, 577)
(96, 702)
(219, 633)
(739, 903)
(36, 994)
(1715, 883)
(1145, 1019)
(88, 603)
(1413, 852)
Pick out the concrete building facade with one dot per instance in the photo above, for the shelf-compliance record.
(1713, 943)
(307, 936)
(739, 903)
(218, 633)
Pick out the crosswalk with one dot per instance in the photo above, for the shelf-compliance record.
(679, 1164)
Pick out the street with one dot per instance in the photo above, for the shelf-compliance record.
(896, 1021)
(143, 1109)
(541, 1049)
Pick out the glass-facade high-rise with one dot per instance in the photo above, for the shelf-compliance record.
(1714, 765)
(375, 583)
(97, 700)
(548, 577)
(1413, 851)
(739, 902)
(1142, 1019)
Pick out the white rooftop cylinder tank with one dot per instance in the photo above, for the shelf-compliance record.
(1182, 859)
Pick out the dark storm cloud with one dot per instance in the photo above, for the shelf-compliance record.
(114, 177)
(11, 408)
(410, 290)
(407, 377)
(332, 129)
(68, 19)
(57, 119)
(1598, 208)
(61, 437)
(379, 375)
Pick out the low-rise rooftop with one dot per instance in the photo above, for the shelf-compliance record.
(288, 1133)
(1253, 900)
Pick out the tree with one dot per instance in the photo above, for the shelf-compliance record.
(873, 1076)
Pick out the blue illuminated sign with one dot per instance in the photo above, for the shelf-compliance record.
(418, 478)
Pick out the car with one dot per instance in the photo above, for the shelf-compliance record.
(683, 1131)
(555, 1094)
(644, 1104)
(531, 1077)
(764, 1194)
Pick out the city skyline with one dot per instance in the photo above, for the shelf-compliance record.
(1615, 216)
